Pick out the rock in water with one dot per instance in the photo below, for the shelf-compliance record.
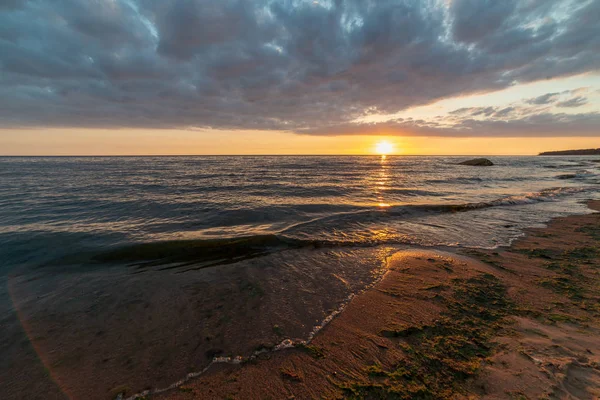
(479, 162)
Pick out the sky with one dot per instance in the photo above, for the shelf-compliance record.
(118, 77)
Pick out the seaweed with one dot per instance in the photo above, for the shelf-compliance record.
(289, 374)
(591, 230)
(313, 351)
(563, 285)
(441, 356)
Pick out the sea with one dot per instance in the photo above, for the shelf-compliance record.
(52, 207)
(200, 258)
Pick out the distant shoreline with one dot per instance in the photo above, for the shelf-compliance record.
(583, 152)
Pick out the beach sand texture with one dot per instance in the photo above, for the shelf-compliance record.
(521, 322)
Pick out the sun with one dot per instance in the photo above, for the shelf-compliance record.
(383, 147)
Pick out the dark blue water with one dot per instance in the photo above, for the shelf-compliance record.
(51, 207)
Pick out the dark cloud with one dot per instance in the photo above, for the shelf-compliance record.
(462, 111)
(505, 112)
(543, 99)
(553, 98)
(485, 111)
(477, 111)
(476, 19)
(293, 65)
(573, 102)
(11, 4)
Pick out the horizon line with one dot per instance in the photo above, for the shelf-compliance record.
(270, 155)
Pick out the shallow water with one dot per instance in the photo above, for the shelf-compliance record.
(135, 271)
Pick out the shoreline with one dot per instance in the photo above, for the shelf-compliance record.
(391, 297)
(363, 351)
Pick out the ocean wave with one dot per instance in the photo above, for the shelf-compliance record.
(202, 253)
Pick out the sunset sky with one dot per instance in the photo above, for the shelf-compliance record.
(108, 77)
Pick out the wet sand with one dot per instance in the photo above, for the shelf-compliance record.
(521, 322)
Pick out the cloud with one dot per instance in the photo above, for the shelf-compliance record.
(573, 102)
(553, 98)
(543, 99)
(476, 19)
(11, 4)
(541, 124)
(526, 118)
(290, 65)
(504, 112)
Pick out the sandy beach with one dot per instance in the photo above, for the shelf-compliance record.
(520, 322)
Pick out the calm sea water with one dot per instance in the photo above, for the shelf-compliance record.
(55, 207)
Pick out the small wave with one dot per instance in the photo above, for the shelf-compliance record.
(203, 253)
(416, 192)
(527, 198)
(211, 251)
(455, 180)
(566, 176)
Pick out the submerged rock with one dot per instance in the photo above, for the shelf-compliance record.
(479, 162)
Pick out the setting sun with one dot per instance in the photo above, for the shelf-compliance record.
(384, 147)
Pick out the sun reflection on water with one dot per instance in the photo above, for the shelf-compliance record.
(382, 183)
